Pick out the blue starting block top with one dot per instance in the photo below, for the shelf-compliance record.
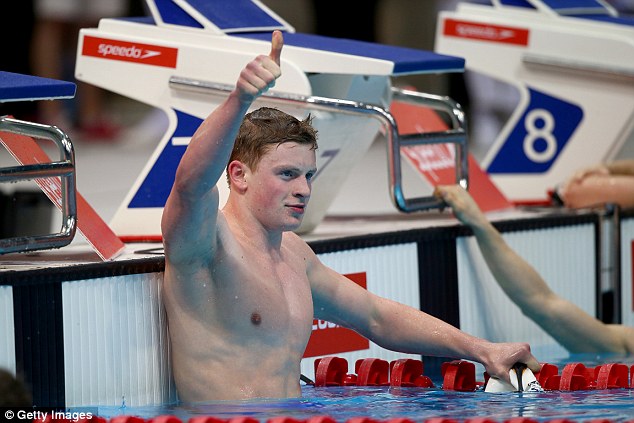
(250, 19)
(405, 60)
(228, 16)
(582, 9)
(19, 87)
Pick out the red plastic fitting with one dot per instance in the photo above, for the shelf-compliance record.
(372, 372)
(458, 375)
(408, 372)
(330, 371)
(576, 377)
(612, 376)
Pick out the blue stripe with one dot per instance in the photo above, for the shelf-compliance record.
(235, 14)
(18, 87)
(406, 60)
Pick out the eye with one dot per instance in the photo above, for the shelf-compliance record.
(309, 176)
(287, 174)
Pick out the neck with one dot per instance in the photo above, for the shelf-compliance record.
(244, 225)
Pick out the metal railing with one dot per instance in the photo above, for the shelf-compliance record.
(455, 135)
(64, 169)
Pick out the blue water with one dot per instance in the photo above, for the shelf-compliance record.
(381, 403)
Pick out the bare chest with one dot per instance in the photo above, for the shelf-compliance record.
(263, 296)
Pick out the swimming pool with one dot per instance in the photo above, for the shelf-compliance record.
(381, 403)
(417, 404)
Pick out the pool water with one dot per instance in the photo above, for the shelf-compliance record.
(418, 404)
(382, 403)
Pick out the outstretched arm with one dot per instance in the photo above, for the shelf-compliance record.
(402, 328)
(564, 321)
(191, 211)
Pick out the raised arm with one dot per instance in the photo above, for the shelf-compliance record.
(190, 214)
(573, 328)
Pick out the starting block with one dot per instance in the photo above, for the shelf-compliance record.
(185, 58)
(55, 178)
(573, 65)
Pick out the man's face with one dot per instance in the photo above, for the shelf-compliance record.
(280, 187)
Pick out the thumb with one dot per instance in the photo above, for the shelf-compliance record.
(277, 42)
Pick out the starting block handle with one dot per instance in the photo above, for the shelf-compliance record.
(64, 169)
(455, 135)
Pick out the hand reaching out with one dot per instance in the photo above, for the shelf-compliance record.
(462, 204)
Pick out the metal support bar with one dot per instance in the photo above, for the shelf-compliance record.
(64, 169)
(455, 135)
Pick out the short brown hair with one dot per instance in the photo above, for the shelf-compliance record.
(266, 127)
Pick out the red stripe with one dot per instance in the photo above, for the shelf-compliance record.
(486, 32)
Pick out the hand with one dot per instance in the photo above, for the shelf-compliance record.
(577, 178)
(503, 356)
(260, 74)
(462, 204)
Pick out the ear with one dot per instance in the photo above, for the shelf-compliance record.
(237, 172)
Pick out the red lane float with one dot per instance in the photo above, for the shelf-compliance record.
(320, 419)
(165, 419)
(576, 377)
(548, 376)
(330, 371)
(458, 375)
(372, 372)
(284, 419)
(612, 376)
(206, 419)
(407, 372)
(127, 419)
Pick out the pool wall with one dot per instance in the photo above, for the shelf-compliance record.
(95, 333)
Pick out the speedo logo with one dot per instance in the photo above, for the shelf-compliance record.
(133, 51)
(126, 51)
(485, 32)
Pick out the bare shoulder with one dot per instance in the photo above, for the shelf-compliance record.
(296, 244)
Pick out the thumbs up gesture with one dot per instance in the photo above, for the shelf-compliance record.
(259, 75)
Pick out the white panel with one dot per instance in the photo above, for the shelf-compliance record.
(627, 267)
(115, 342)
(7, 329)
(564, 256)
(392, 272)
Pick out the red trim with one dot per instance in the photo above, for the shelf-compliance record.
(486, 32)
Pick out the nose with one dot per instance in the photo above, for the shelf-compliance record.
(302, 188)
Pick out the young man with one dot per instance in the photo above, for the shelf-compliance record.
(241, 289)
(568, 324)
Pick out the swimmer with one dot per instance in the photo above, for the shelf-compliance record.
(600, 184)
(572, 327)
(241, 289)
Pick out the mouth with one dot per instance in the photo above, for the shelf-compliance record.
(297, 208)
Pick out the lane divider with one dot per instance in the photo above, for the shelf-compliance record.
(458, 375)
